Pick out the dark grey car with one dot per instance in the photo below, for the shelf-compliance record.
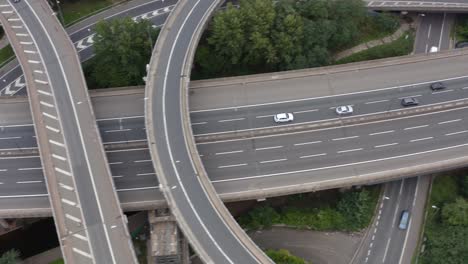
(437, 86)
(409, 101)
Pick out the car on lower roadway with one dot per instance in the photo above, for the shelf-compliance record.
(409, 101)
(404, 220)
(283, 117)
(437, 86)
(344, 110)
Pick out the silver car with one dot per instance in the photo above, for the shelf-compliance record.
(283, 118)
(344, 110)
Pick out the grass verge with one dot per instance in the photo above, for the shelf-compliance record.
(6, 54)
(76, 10)
(399, 47)
(58, 261)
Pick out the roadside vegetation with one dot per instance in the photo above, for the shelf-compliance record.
(75, 9)
(461, 28)
(264, 35)
(401, 46)
(283, 256)
(348, 211)
(10, 257)
(6, 54)
(123, 48)
(446, 230)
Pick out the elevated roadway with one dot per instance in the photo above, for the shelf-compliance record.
(205, 221)
(120, 115)
(89, 221)
(455, 6)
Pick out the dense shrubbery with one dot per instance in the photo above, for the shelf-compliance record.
(353, 212)
(283, 256)
(461, 29)
(265, 35)
(447, 225)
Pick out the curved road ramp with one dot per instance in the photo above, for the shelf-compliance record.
(88, 218)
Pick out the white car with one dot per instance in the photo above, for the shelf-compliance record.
(434, 49)
(344, 110)
(283, 117)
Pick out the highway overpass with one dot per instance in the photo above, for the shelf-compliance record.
(90, 224)
(120, 118)
(455, 6)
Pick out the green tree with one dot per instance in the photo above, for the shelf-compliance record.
(464, 185)
(356, 208)
(446, 245)
(283, 256)
(10, 257)
(123, 47)
(456, 213)
(260, 217)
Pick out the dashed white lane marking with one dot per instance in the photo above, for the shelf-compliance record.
(267, 148)
(68, 202)
(140, 161)
(117, 176)
(40, 81)
(26, 43)
(118, 130)
(53, 129)
(81, 252)
(229, 152)
(371, 244)
(456, 133)
(416, 95)
(49, 115)
(73, 218)
(445, 91)
(464, 88)
(380, 133)
(10, 138)
(373, 237)
(147, 173)
(46, 104)
(231, 120)
(272, 161)
(415, 127)
(312, 156)
(263, 116)
(3, 169)
(344, 138)
(376, 102)
(334, 107)
(449, 121)
(33, 61)
(307, 143)
(25, 169)
(44, 92)
(115, 163)
(30, 51)
(349, 150)
(66, 187)
(64, 172)
(80, 237)
(39, 71)
(386, 145)
(28, 182)
(199, 123)
(22, 35)
(305, 111)
(421, 139)
(233, 165)
(56, 143)
(59, 157)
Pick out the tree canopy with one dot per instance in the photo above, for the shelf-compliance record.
(10, 257)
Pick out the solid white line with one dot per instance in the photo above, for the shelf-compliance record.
(415, 127)
(349, 150)
(229, 152)
(68, 202)
(312, 156)
(44, 92)
(383, 132)
(81, 252)
(305, 111)
(56, 143)
(266, 148)
(127, 141)
(25, 169)
(46, 104)
(50, 116)
(126, 150)
(59, 157)
(234, 165)
(119, 118)
(375, 102)
(386, 145)
(307, 143)
(20, 182)
(147, 173)
(449, 121)
(271, 161)
(64, 172)
(421, 139)
(139, 161)
(386, 249)
(231, 120)
(117, 130)
(343, 138)
(138, 189)
(456, 133)
(53, 129)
